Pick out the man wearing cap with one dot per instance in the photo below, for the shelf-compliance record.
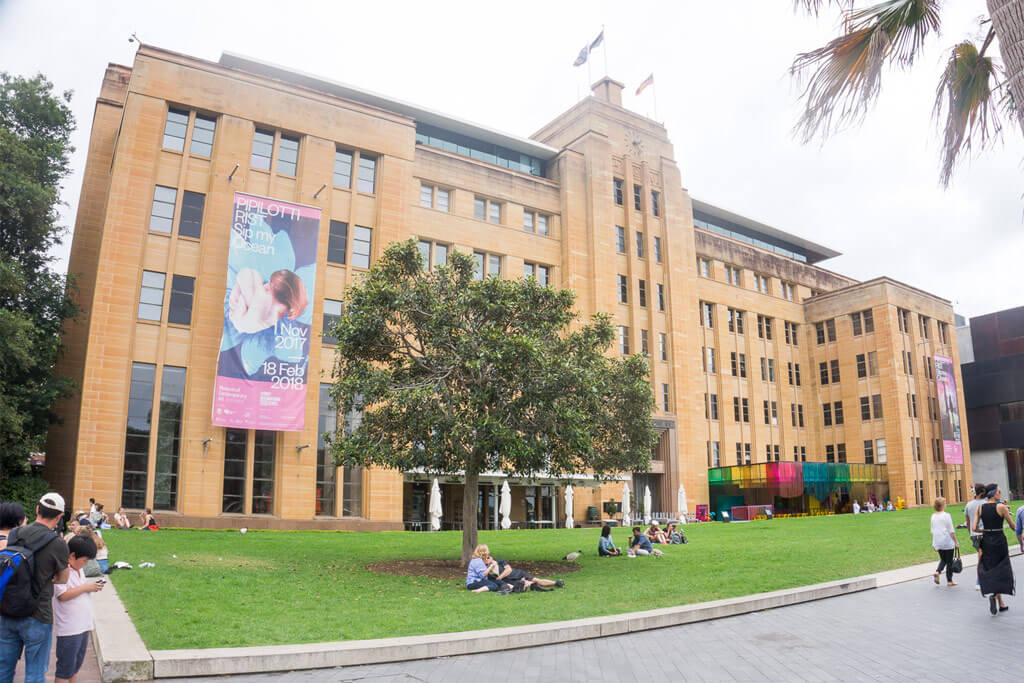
(35, 633)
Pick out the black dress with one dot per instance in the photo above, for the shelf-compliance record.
(994, 571)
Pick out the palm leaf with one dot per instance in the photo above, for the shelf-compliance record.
(846, 72)
(966, 105)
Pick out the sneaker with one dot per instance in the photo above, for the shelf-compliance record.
(559, 584)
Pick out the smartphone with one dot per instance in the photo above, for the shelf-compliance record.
(101, 581)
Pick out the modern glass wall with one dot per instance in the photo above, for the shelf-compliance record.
(136, 445)
(168, 440)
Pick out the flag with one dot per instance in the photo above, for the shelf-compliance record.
(647, 81)
(597, 41)
(582, 58)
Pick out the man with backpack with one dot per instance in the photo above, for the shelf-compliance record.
(26, 609)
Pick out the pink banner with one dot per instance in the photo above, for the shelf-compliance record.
(949, 411)
(268, 315)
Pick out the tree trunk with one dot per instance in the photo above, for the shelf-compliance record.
(1008, 22)
(470, 492)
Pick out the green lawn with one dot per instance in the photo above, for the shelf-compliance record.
(224, 589)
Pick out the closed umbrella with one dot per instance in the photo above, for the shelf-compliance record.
(435, 507)
(681, 504)
(647, 504)
(505, 505)
(626, 520)
(568, 506)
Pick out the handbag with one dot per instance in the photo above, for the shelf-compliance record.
(957, 564)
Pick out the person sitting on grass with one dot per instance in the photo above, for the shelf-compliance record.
(675, 537)
(476, 573)
(639, 544)
(147, 521)
(121, 519)
(72, 609)
(605, 546)
(507, 574)
(656, 535)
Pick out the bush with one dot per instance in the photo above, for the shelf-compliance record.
(27, 490)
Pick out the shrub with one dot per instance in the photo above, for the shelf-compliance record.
(27, 490)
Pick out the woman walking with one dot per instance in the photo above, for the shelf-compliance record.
(943, 540)
(995, 575)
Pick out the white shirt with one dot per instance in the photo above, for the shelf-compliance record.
(74, 616)
(942, 527)
(856, 508)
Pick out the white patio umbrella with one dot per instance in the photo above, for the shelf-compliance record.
(435, 507)
(568, 506)
(626, 520)
(681, 504)
(505, 505)
(647, 504)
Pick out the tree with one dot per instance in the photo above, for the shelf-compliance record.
(845, 74)
(35, 129)
(455, 375)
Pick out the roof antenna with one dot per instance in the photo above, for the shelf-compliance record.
(134, 39)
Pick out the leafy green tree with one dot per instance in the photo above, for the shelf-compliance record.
(845, 74)
(35, 129)
(455, 375)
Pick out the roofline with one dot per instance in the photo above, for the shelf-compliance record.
(813, 248)
(350, 92)
(884, 279)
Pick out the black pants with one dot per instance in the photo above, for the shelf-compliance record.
(946, 560)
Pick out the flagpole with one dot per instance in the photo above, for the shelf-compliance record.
(654, 95)
(604, 42)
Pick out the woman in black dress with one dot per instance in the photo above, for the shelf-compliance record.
(994, 571)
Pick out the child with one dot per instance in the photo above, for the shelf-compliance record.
(72, 610)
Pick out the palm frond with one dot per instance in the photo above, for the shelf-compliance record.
(846, 72)
(814, 6)
(965, 104)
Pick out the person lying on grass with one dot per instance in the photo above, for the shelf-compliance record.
(503, 573)
(476, 573)
(639, 544)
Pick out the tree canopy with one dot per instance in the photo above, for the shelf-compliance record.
(461, 376)
(35, 129)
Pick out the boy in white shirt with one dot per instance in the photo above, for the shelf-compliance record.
(72, 610)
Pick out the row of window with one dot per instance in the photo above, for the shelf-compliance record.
(644, 344)
(832, 413)
(874, 451)
(735, 321)
(734, 276)
(641, 244)
(484, 209)
(641, 292)
(638, 190)
(923, 325)
(863, 322)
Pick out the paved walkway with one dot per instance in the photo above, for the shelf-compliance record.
(911, 631)
(89, 673)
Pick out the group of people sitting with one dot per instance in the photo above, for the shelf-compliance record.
(641, 543)
(871, 506)
(495, 575)
(98, 519)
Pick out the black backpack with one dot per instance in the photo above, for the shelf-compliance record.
(17, 567)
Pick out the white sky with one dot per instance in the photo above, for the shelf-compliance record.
(722, 90)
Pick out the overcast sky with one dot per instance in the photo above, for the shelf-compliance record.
(722, 90)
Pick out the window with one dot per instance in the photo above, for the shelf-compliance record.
(426, 195)
(927, 363)
(903, 319)
(137, 433)
(746, 454)
(714, 454)
(617, 190)
(764, 327)
(640, 253)
(623, 340)
(235, 446)
(175, 129)
(637, 197)
(775, 413)
(262, 150)
(662, 346)
(834, 364)
(179, 310)
(190, 223)
(762, 284)
(202, 136)
(367, 174)
(819, 331)
(796, 373)
(735, 320)
(326, 470)
(740, 409)
(542, 224)
(837, 412)
(803, 454)
(830, 453)
(739, 453)
(711, 406)
(657, 249)
(529, 221)
(791, 337)
(361, 240)
(707, 314)
(542, 273)
(151, 295)
(342, 178)
(288, 155)
(830, 329)
(826, 411)
(664, 398)
(880, 456)
(863, 323)
(796, 414)
(493, 265)
(479, 209)
(435, 198)
(645, 348)
(912, 404)
(623, 289)
(333, 310)
(869, 452)
(655, 203)
(732, 275)
(661, 297)
(168, 442)
(908, 363)
(643, 293)
(943, 332)
(704, 267)
(478, 265)
(840, 452)
(709, 359)
(620, 239)
(923, 324)
(738, 363)
(161, 215)
(263, 457)
(876, 406)
(352, 477)
(494, 212)
(787, 291)
(767, 369)
(337, 242)
(862, 366)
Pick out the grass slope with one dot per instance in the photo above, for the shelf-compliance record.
(224, 589)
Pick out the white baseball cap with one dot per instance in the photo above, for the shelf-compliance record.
(52, 501)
